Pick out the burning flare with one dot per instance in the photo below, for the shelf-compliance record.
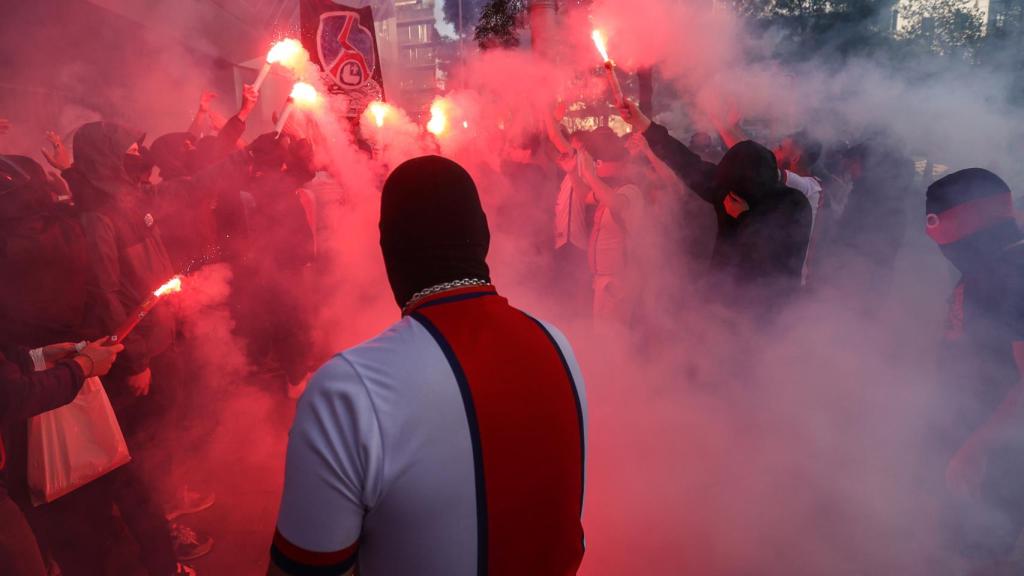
(609, 66)
(304, 95)
(171, 286)
(379, 111)
(438, 123)
(602, 46)
(288, 53)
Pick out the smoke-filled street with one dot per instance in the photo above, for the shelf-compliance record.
(487, 287)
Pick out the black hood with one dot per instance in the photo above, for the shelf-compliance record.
(750, 171)
(170, 155)
(99, 149)
(432, 227)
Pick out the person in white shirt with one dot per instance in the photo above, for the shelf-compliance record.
(571, 225)
(620, 205)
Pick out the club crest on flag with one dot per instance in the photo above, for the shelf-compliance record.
(346, 49)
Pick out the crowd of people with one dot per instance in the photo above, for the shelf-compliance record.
(81, 246)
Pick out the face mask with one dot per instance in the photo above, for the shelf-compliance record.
(137, 168)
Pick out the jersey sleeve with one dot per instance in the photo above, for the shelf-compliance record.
(332, 474)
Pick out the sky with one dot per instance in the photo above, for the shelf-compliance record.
(443, 27)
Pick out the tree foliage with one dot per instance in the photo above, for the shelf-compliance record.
(471, 10)
(947, 27)
(499, 24)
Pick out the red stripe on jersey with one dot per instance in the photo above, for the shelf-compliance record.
(312, 559)
(529, 432)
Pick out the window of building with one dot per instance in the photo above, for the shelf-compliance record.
(417, 33)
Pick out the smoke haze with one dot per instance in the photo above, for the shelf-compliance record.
(718, 445)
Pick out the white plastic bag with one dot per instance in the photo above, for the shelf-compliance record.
(74, 444)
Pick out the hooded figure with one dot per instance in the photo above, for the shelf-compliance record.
(763, 226)
(49, 266)
(197, 200)
(429, 448)
(280, 250)
(127, 256)
(859, 253)
(432, 227)
(43, 259)
(970, 217)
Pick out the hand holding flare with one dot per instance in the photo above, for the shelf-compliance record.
(609, 66)
(170, 287)
(304, 96)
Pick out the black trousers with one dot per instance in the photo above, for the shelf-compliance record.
(19, 552)
(81, 533)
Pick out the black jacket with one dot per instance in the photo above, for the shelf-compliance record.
(23, 394)
(763, 250)
(192, 206)
(127, 259)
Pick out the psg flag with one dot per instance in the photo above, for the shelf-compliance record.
(341, 40)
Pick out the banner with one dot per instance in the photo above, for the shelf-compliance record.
(342, 41)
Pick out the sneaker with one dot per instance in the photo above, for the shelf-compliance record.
(296, 390)
(185, 570)
(190, 502)
(189, 545)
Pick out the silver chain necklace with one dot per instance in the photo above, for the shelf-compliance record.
(443, 287)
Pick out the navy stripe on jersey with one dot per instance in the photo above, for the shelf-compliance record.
(474, 429)
(456, 298)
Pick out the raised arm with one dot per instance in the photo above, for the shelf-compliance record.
(728, 128)
(554, 129)
(603, 193)
(698, 175)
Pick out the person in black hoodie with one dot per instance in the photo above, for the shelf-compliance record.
(859, 250)
(200, 183)
(273, 283)
(44, 262)
(127, 261)
(763, 226)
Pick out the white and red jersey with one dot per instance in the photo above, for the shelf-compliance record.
(453, 443)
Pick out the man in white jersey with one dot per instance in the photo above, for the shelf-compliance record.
(454, 442)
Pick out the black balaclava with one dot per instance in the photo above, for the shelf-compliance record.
(170, 154)
(269, 153)
(750, 171)
(432, 227)
(976, 195)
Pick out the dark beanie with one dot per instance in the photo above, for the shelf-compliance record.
(961, 187)
(432, 227)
